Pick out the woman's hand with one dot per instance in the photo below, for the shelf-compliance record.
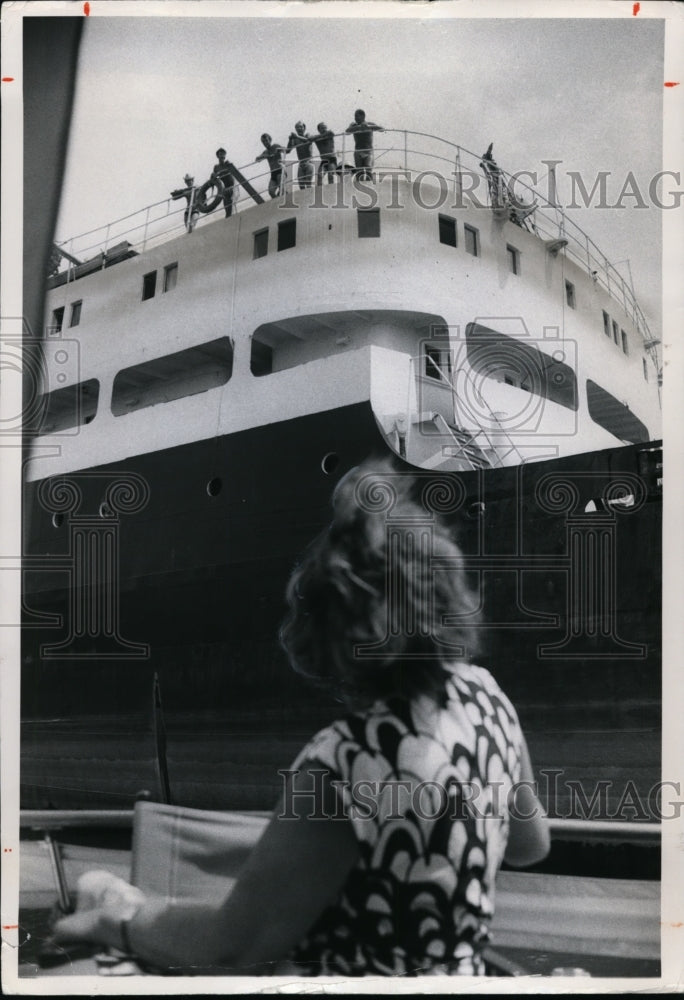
(103, 901)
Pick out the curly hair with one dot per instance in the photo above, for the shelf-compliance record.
(367, 605)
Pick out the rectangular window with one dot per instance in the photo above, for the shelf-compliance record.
(287, 234)
(432, 362)
(57, 319)
(368, 221)
(170, 277)
(472, 240)
(260, 244)
(513, 259)
(644, 363)
(437, 363)
(616, 332)
(174, 376)
(447, 230)
(149, 285)
(75, 318)
(625, 345)
(606, 323)
(570, 294)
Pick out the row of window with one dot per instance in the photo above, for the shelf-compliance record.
(206, 366)
(368, 226)
(149, 288)
(448, 234)
(170, 280)
(286, 238)
(74, 316)
(612, 330)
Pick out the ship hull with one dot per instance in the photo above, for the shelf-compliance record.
(200, 581)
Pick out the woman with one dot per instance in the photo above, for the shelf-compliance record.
(382, 856)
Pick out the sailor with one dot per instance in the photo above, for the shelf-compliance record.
(189, 192)
(274, 154)
(325, 143)
(300, 141)
(492, 172)
(222, 172)
(362, 131)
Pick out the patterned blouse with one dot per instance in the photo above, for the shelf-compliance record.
(425, 789)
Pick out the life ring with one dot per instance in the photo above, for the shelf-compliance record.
(206, 203)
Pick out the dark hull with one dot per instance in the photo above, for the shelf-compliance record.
(201, 581)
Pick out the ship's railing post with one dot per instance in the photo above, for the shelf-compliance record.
(458, 178)
(606, 268)
(147, 220)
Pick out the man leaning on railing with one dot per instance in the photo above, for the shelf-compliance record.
(362, 131)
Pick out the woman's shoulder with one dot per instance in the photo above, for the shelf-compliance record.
(477, 682)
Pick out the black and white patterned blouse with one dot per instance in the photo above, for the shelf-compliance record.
(425, 788)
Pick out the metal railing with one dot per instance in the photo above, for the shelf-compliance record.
(414, 155)
(590, 830)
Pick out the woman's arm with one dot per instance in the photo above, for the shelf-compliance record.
(528, 837)
(296, 869)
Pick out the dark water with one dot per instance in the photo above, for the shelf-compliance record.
(231, 761)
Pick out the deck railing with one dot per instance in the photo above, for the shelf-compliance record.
(416, 156)
(589, 830)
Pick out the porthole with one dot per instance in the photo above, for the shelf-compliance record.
(57, 520)
(330, 462)
(214, 486)
(476, 510)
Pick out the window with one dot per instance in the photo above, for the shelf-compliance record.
(606, 323)
(513, 259)
(368, 221)
(261, 359)
(173, 376)
(506, 359)
(149, 285)
(260, 244)
(472, 240)
(614, 416)
(645, 364)
(625, 344)
(287, 234)
(170, 277)
(616, 332)
(57, 319)
(447, 230)
(432, 362)
(69, 407)
(75, 318)
(570, 294)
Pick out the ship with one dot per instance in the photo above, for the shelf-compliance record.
(204, 388)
